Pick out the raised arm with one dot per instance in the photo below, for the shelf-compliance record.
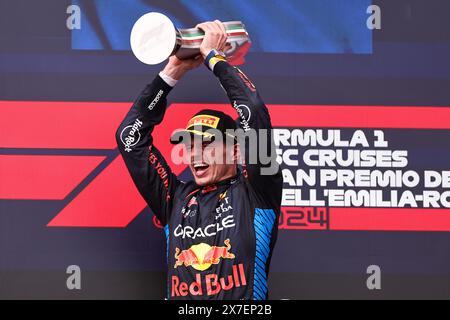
(262, 170)
(148, 169)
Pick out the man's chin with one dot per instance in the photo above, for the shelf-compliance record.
(202, 181)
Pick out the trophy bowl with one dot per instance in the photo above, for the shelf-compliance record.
(154, 38)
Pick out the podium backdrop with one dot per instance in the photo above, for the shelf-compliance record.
(362, 126)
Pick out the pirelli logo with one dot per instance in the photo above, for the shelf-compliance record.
(204, 120)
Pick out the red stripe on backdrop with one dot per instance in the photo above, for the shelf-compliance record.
(111, 200)
(60, 125)
(390, 219)
(92, 125)
(43, 177)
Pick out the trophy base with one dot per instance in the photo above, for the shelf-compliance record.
(153, 38)
(187, 53)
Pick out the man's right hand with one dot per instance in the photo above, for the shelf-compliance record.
(176, 68)
(215, 37)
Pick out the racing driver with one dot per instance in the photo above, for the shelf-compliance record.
(221, 227)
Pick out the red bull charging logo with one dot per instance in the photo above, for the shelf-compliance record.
(201, 256)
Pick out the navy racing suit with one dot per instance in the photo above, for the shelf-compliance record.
(220, 237)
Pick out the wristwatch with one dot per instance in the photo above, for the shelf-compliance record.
(213, 57)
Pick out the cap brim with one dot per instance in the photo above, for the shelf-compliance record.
(205, 135)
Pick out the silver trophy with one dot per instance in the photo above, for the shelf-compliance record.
(154, 38)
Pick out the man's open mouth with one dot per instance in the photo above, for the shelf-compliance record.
(200, 168)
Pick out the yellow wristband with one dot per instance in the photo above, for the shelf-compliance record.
(212, 58)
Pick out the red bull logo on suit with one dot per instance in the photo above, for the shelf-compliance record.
(211, 284)
(201, 256)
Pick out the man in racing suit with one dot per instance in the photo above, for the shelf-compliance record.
(220, 228)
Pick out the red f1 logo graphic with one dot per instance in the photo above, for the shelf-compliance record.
(111, 199)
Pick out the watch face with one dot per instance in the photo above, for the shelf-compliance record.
(215, 52)
(219, 53)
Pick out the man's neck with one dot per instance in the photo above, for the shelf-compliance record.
(229, 176)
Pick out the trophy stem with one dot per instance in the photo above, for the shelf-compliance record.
(189, 41)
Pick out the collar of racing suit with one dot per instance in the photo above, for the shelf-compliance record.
(217, 185)
(221, 187)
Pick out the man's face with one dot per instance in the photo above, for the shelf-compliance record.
(211, 162)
